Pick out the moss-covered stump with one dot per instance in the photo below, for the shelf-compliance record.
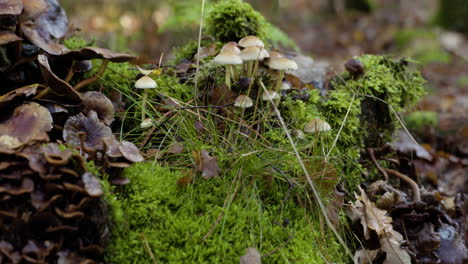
(452, 15)
(214, 221)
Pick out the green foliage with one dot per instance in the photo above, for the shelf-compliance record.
(416, 121)
(172, 221)
(74, 43)
(231, 20)
(452, 15)
(421, 44)
(387, 79)
(360, 5)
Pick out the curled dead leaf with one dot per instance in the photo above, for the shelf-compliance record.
(206, 164)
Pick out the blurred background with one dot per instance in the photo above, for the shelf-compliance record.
(330, 31)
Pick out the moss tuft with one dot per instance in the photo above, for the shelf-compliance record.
(171, 222)
(231, 20)
(417, 121)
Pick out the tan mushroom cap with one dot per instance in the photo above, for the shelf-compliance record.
(285, 85)
(243, 101)
(265, 53)
(33, 8)
(145, 82)
(275, 55)
(231, 46)
(251, 53)
(251, 41)
(270, 94)
(316, 125)
(282, 64)
(228, 57)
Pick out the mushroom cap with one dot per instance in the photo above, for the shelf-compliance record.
(270, 94)
(285, 85)
(251, 41)
(265, 53)
(146, 123)
(146, 82)
(316, 125)
(273, 55)
(228, 57)
(243, 101)
(33, 9)
(282, 64)
(251, 53)
(231, 46)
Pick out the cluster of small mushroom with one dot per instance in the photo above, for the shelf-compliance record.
(252, 53)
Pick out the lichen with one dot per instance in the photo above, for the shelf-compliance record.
(179, 224)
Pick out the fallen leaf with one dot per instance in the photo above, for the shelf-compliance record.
(252, 256)
(206, 164)
(370, 216)
(175, 148)
(390, 243)
(363, 256)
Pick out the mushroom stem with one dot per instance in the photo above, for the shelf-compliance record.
(143, 104)
(71, 72)
(228, 78)
(278, 85)
(96, 77)
(413, 184)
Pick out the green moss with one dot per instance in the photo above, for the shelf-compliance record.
(231, 20)
(74, 43)
(419, 120)
(360, 5)
(422, 44)
(173, 220)
(452, 15)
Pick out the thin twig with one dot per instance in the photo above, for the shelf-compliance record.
(96, 77)
(376, 163)
(413, 184)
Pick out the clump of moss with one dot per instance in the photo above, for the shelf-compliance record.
(231, 20)
(171, 223)
(421, 44)
(74, 43)
(419, 120)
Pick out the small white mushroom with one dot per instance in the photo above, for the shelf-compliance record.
(232, 46)
(316, 125)
(282, 65)
(251, 41)
(270, 94)
(243, 101)
(145, 83)
(228, 58)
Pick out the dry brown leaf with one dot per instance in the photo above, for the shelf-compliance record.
(175, 148)
(390, 243)
(206, 164)
(252, 256)
(370, 216)
(363, 256)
